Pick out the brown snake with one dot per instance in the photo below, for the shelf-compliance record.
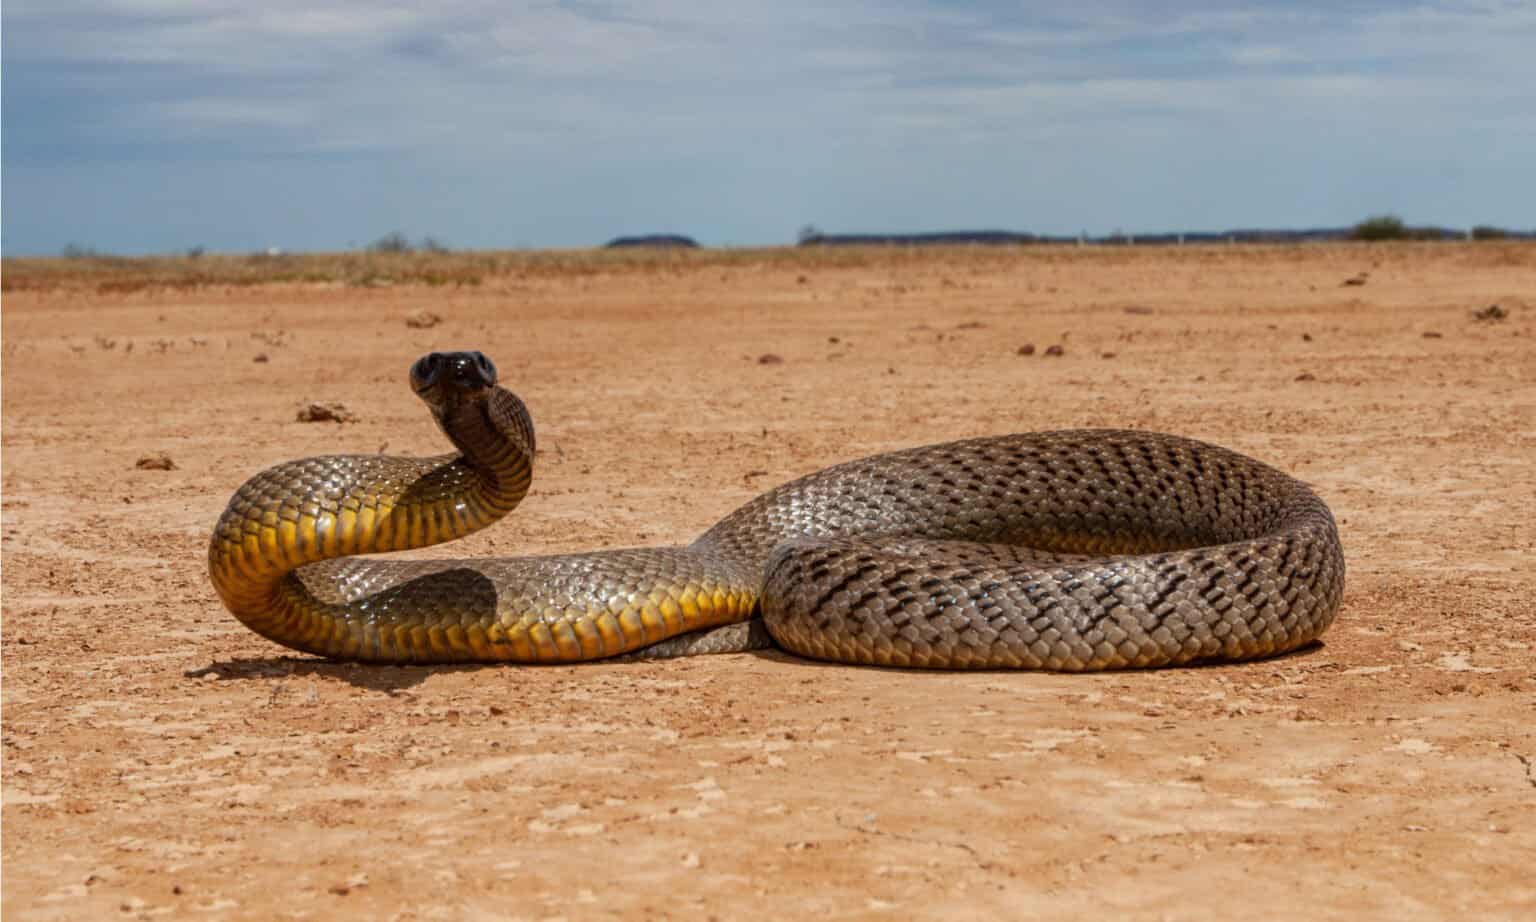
(1075, 550)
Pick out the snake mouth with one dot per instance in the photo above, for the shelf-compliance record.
(445, 378)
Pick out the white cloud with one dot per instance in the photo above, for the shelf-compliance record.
(841, 93)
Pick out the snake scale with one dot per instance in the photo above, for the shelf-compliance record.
(1072, 550)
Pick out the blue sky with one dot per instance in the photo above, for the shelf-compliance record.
(157, 125)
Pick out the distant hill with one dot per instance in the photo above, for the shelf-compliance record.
(993, 237)
(1014, 238)
(659, 241)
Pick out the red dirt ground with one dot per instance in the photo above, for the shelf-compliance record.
(160, 760)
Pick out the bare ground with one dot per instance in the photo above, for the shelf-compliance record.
(160, 760)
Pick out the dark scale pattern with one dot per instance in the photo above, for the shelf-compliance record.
(1061, 550)
(1066, 550)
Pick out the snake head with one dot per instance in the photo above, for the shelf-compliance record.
(443, 379)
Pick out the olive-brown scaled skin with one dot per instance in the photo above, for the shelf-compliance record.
(1073, 550)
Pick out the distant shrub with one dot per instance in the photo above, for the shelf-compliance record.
(76, 251)
(1381, 227)
(1488, 232)
(392, 242)
(430, 244)
(196, 252)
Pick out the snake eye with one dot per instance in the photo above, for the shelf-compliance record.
(486, 366)
(426, 369)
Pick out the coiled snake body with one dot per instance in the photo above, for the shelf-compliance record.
(1075, 550)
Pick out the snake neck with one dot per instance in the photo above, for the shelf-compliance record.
(495, 439)
(325, 508)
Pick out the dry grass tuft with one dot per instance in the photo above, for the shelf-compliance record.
(367, 269)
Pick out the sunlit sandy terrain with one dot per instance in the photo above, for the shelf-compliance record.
(159, 758)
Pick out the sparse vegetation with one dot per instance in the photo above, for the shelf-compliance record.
(397, 242)
(359, 268)
(1381, 227)
(392, 242)
(1392, 227)
(1488, 232)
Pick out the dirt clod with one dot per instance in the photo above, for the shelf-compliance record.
(325, 413)
(156, 461)
(768, 358)
(423, 320)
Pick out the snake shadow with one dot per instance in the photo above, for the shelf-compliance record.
(393, 679)
(389, 679)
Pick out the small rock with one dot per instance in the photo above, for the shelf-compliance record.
(1107, 355)
(159, 461)
(261, 358)
(326, 413)
(1306, 376)
(971, 325)
(1138, 309)
(423, 320)
(1491, 312)
(1431, 334)
(1354, 281)
(802, 280)
(691, 860)
(1306, 337)
(1027, 349)
(768, 358)
(1055, 350)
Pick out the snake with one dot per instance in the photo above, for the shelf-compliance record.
(1069, 551)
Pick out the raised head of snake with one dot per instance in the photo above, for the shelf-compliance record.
(1073, 550)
